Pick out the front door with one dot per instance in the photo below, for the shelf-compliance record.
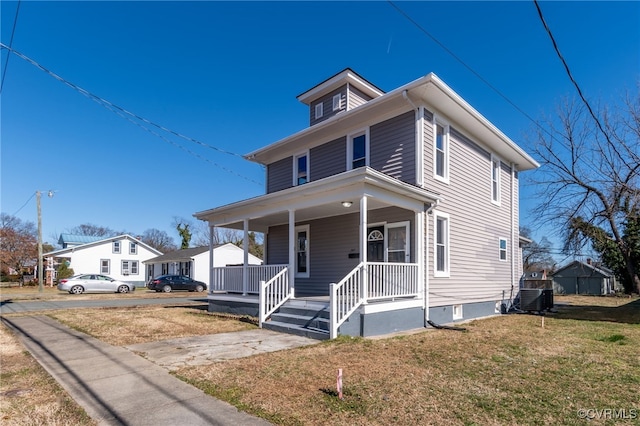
(375, 244)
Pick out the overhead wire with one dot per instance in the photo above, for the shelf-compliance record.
(25, 203)
(13, 31)
(130, 116)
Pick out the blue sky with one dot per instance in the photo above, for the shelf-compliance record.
(227, 74)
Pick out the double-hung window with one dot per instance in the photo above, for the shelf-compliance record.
(302, 251)
(116, 247)
(337, 102)
(441, 151)
(495, 180)
(300, 169)
(502, 248)
(129, 267)
(133, 248)
(441, 241)
(358, 150)
(319, 110)
(105, 266)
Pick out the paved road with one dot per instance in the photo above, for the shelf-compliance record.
(26, 306)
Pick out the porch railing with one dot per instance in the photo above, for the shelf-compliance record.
(370, 281)
(231, 278)
(273, 294)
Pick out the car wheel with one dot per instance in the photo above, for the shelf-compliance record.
(76, 289)
(166, 288)
(199, 288)
(123, 289)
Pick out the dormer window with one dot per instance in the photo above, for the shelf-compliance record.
(337, 102)
(319, 110)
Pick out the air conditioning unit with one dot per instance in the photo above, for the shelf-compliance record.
(531, 299)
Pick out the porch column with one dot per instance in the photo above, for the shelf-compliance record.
(245, 248)
(420, 247)
(292, 252)
(363, 248)
(212, 285)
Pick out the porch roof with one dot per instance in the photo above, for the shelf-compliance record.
(321, 198)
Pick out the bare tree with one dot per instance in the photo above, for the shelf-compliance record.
(18, 244)
(537, 255)
(92, 230)
(589, 175)
(159, 240)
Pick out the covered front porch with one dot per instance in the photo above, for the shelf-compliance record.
(345, 243)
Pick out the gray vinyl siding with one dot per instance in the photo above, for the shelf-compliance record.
(331, 241)
(392, 147)
(327, 105)
(280, 175)
(328, 159)
(476, 224)
(355, 98)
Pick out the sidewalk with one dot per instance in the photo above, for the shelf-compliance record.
(115, 386)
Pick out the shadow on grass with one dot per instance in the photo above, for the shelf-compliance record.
(628, 313)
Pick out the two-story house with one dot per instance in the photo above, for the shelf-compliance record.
(390, 211)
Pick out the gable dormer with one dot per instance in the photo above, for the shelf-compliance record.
(342, 92)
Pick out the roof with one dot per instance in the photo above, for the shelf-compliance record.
(586, 266)
(99, 242)
(181, 255)
(429, 90)
(77, 239)
(343, 77)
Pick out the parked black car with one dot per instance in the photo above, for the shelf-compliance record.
(168, 283)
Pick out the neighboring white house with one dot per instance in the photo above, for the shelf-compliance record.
(119, 257)
(194, 262)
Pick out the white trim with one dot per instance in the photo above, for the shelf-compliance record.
(319, 108)
(456, 310)
(446, 142)
(447, 244)
(391, 306)
(350, 138)
(295, 167)
(302, 228)
(420, 147)
(497, 195)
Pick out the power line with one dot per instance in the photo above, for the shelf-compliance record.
(575, 83)
(25, 203)
(13, 30)
(123, 113)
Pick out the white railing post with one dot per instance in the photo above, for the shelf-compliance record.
(262, 304)
(364, 282)
(333, 311)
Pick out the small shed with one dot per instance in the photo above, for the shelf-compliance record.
(583, 278)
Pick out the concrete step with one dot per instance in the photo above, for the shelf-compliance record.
(302, 320)
(288, 328)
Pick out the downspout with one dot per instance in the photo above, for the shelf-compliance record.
(513, 231)
(428, 211)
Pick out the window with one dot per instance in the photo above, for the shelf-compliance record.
(457, 312)
(319, 111)
(129, 267)
(300, 169)
(495, 180)
(358, 151)
(105, 266)
(302, 251)
(503, 249)
(441, 152)
(337, 102)
(441, 241)
(133, 248)
(116, 246)
(398, 242)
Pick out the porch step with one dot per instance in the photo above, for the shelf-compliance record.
(302, 318)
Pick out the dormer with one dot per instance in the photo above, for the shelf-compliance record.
(342, 92)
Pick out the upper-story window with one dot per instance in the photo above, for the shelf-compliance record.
(495, 180)
(116, 247)
(502, 249)
(319, 110)
(358, 150)
(133, 248)
(337, 102)
(301, 169)
(441, 241)
(441, 152)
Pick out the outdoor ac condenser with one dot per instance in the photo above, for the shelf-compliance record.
(531, 299)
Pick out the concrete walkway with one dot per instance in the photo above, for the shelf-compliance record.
(116, 386)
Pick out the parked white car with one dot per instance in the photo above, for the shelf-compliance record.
(94, 283)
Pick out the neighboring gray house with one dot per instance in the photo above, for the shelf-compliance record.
(583, 278)
(390, 210)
